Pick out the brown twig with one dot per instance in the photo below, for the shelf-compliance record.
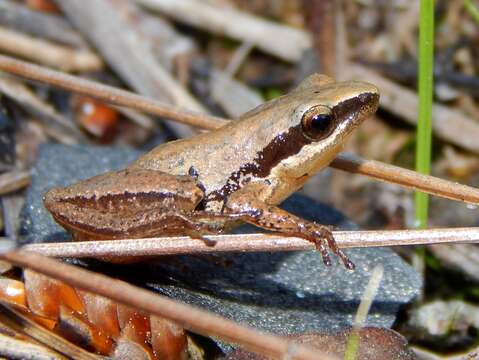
(199, 321)
(58, 56)
(249, 243)
(107, 93)
(374, 169)
(320, 16)
(13, 181)
(406, 178)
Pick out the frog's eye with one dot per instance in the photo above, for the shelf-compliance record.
(318, 123)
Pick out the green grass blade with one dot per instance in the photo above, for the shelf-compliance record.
(425, 86)
(472, 10)
(352, 345)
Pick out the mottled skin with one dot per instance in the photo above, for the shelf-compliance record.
(240, 172)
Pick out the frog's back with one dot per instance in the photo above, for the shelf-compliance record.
(267, 143)
(214, 156)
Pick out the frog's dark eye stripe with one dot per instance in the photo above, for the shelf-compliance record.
(318, 123)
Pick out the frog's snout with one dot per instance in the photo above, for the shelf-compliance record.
(51, 199)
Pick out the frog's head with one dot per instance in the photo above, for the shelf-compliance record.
(305, 129)
(284, 141)
(325, 117)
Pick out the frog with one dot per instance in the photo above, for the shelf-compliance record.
(238, 173)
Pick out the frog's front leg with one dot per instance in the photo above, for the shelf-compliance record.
(246, 205)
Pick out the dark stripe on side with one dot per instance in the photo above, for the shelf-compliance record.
(280, 148)
(288, 144)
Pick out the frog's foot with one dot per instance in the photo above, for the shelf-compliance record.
(204, 223)
(254, 211)
(324, 239)
(202, 237)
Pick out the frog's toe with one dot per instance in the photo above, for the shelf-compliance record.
(348, 264)
(325, 236)
(322, 246)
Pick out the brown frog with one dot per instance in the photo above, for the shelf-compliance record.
(237, 173)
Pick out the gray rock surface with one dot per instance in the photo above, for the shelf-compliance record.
(283, 293)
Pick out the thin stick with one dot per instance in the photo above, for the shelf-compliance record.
(238, 58)
(283, 41)
(406, 178)
(107, 93)
(40, 24)
(249, 243)
(58, 56)
(119, 34)
(55, 124)
(320, 16)
(14, 348)
(13, 181)
(23, 324)
(346, 162)
(199, 321)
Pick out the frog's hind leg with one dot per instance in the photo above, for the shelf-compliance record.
(201, 223)
(254, 211)
(196, 224)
